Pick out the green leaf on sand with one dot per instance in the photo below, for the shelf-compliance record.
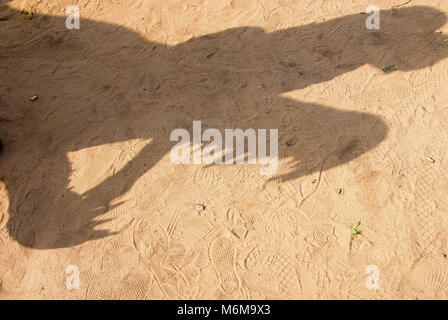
(390, 68)
(354, 228)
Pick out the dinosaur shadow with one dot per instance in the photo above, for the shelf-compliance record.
(230, 79)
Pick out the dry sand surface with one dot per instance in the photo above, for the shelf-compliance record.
(86, 176)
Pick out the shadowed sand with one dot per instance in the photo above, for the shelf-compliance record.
(232, 79)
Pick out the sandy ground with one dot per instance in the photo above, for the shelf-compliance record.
(86, 176)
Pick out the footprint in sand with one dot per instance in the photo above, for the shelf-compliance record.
(222, 256)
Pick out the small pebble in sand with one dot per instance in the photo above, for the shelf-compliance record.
(291, 141)
(339, 191)
(199, 207)
(34, 98)
(430, 159)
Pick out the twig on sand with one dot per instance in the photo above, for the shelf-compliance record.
(400, 5)
(331, 32)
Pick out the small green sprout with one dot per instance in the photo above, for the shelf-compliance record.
(390, 68)
(354, 228)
